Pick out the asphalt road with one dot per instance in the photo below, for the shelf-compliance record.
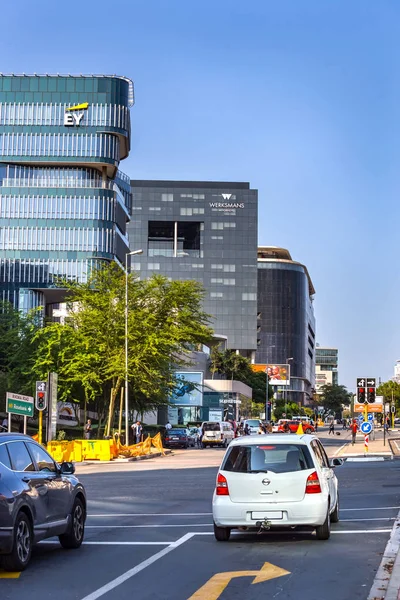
(149, 536)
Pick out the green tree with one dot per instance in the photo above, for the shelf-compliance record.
(165, 322)
(390, 390)
(333, 397)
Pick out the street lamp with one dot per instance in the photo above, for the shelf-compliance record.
(126, 345)
(288, 382)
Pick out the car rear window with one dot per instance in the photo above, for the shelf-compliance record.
(278, 458)
(252, 423)
(4, 456)
(211, 427)
(177, 431)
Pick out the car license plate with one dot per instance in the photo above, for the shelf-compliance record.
(272, 515)
(174, 438)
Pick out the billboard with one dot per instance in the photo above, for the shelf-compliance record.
(189, 389)
(278, 374)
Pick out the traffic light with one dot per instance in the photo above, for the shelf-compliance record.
(361, 395)
(371, 395)
(41, 400)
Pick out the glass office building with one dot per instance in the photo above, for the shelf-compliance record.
(286, 321)
(64, 205)
(326, 367)
(205, 231)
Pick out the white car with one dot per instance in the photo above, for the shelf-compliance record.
(276, 481)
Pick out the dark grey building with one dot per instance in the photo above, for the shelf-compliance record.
(286, 321)
(205, 231)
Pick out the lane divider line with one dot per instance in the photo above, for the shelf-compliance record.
(113, 543)
(207, 514)
(383, 578)
(143, 565)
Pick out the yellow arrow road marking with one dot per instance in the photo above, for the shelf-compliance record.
(9, 575)
(216, 585)
(79, 106)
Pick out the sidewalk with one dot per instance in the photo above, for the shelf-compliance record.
(375, 447)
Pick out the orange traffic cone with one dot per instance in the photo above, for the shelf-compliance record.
(300, 429)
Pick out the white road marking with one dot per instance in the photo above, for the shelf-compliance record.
(146, 526)
(374, 519)
(128, 574)
(115, 543)
(111, 515)
(363, 531)
(341, 448)
(371, 508)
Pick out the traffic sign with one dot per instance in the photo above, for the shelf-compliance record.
(360, 382)
(370, 417)
(366, 427)
(371, 382)
(17, 404)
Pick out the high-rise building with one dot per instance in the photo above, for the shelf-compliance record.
(205, 231)
(286, 321)
(64, 205)
(326, 367)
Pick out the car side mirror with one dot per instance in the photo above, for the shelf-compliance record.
(67, 468)
(335, 462)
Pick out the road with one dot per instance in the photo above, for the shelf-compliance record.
(149, 536)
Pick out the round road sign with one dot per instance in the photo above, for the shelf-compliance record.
(366, 427)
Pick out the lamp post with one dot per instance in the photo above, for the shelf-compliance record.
(288, 382)
(126, 345)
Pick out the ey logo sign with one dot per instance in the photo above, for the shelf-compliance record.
(74, 115)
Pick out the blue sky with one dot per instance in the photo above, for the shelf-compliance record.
(301, 98)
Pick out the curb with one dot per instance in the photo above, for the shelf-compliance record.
(387, 579)
(147, 456)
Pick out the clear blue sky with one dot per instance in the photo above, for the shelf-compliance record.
(299, 97)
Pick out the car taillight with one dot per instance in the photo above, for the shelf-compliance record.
(312, 485)
(166, 439)
(222, 486)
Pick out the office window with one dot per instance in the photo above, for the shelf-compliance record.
(217, 237)
(249, 296)
(217, 225)
(186, 212)
(136, 266)
(153, 266)
(154, 208)
(217, 266)
(167, 197)
(228, 225)
(197, 266)
(229, 268)
(198, 211)
(216, 295)
(161, 238)
(188, 240)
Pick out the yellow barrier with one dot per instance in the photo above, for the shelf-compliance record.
(102, 450)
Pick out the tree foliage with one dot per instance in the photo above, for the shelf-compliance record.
(390, 390)
(333, 397)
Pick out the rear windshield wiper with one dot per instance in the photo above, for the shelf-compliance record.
(258, 471)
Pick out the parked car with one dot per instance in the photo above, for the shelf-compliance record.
(177, 438)
(276, 481)
(38, 499)
(218, 433)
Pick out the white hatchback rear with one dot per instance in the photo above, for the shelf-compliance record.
(275, 481)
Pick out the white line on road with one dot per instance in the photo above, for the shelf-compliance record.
(151, 515)
(115, 543)
(363, 531)
(146, 563)
(146, 526)
(373, 519)
(371, 508)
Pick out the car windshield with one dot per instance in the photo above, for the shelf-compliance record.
(253, 423)
(178, 432)
(211, 427)
(278, 458)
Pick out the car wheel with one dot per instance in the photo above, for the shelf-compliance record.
(335, 514)
(222, 534)
(308, 430)
(74, 537)
(324, 531)
(22, 545)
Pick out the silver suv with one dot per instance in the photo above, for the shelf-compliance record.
(38, 499)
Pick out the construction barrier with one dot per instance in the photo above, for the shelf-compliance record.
(101, 450)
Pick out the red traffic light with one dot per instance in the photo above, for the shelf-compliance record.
(40, 395)
(361, 390)
(371, 390)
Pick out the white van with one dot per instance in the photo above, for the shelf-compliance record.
(217, 433)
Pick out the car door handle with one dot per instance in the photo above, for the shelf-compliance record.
(26, 479)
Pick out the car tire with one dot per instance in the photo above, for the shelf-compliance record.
(323, 531)
(335, 513)
(74, 537)
(222, 534)
(20, 556)
(308, 430)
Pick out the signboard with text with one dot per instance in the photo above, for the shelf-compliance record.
(17, 404)
(278, 375)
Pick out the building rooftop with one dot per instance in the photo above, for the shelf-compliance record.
(223, 185)
(282, 255)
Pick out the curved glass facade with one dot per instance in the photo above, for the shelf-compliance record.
(287, 324)
(64, 205)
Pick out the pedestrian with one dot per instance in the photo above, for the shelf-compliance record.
(260, 429)
(168, 425)
(387, 425)
(88, 429)
(332, 428)
(137, 432)
(246, 429)
(316, 425)
(200, 436)
(354, 429)
(344, 424)
(5, 424)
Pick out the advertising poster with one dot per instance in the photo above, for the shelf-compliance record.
(189, 389)
(278, 374)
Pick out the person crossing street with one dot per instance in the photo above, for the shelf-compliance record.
(354, 429)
